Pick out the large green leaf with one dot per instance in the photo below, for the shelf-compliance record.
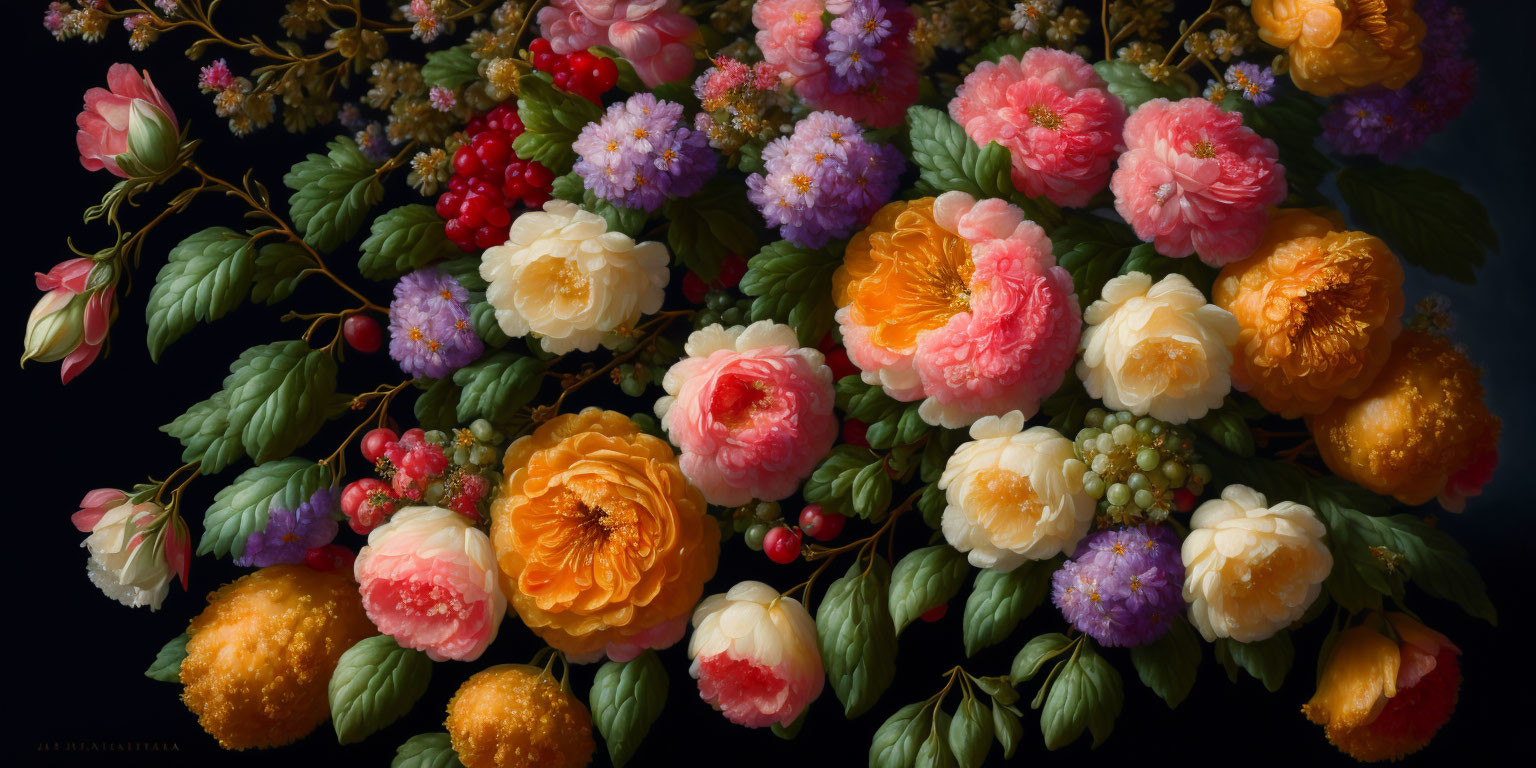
(1294, 122)
(970, 733)
(426, 750)
(713, 223)
(836, 483)
(1168, 666)
(1129, 84)
(241, 509)
(438, 405)
(999, 601)
(1092, 249)
(1086, 695)
(332, 194)
(630, 221)
(1428, 219)
(889, 422)
(856, 636)
(949, 161)
(793, 284)
(204, 277)
(551, 120)
(897, 740)
(1228, 428)
(495, 387)
(167, 665)
(626, 699)
(1267, 661)
(923, 580)
(402, 240)
(375, 683)
(279, 268)
(451, 68)
(1145, 258)
(1034, 655)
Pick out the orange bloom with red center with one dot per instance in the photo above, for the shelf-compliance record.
(602, 543)
(1344, 45)
(1319, 308)
(1380, 699)
(1419, 431)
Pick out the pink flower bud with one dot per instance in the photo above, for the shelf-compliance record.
(104, 136)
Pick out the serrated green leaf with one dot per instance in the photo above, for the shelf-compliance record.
(1268, 661)
(871, 491)
(426, 750)
(1293, 120)
(204, 277)
(495, 387)
(936, 452)
(923, 580)
(402, 240)
(932, 503)
(571, 188)
(970, 733)
(1092, 249)
(856, 636)
(1128, 83)
(711, 224)
(1015, 45)
(551, 119)
(437, 406)
(1227, 428)
(167, 664)
(793, 284)
(374, 684)
(889, 422)
(896, 741)
(451, 68)
(1087, 694)
(466, 270)
(831, 483)
(1008, 729)
(1168, 665)
(999, 601)
(332, 194)
(626, 699)
(483, 317)
(242, 508)
(1035, 654)
(948, 160)
(1427, 219)
(279, 268)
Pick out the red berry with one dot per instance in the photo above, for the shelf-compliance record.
(329, 558)
(731, 271)
(935, 613)
(782, 545)
(854, 432)
(694, 288)
(376, 441)
(448, 204)
(581, 61)
(821, 525)
(498, 217)
(539, 45)
(362, 332)
(490, 236)
(1183, 500)
(491, 149)
(563, 79)
(605, 74)
(841, 366)
(537, 175)
(472, 212)
(464, 161)
(357, 494)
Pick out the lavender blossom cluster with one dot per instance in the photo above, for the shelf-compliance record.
(430, 333)
(642, 153)
(823, 181)
(1122, 587)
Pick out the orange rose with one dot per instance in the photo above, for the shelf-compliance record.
(1381, 699)
(1344, 45)
(1319, 308)
(602, 544)
(1419, 431)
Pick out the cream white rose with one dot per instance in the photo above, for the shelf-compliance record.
(127, 561)
(1250, 570)
(564, 277)
(1158, 350)
(1014, 494)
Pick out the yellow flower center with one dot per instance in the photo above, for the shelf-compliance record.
(1043, 116)
(1203, 149)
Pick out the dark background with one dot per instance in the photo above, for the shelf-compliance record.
(74, 671)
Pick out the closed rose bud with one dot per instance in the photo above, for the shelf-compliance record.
(754, 655)
(127, 128)
(70, 322)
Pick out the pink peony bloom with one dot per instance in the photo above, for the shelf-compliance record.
(1194, 179)
(787, 34)
(793, 37)
(1055, 116)
(105, 121)
(70, 322)
(428, 579)
(655, 36)
(751, 411)
(754, 655)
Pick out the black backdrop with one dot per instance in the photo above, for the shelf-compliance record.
(74, 671)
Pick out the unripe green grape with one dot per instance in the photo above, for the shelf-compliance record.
(1100, 464)
(482, 430)
(1118, 494)
(768, 511)
(1175, 472)
(754, 536)
(717, 300)
(1157, 429)
(1104, 443)
(731, 316)
(1148, 459)
(1202, 473)
(435, 436)
(433, 493)
(1124, 434)
(1095, 417)
(1138, 482)
(1145, 424)
(1145, 499)
(1093, 484)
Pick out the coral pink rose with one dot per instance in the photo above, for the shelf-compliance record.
(1055, 116)
(1194, 179)
(751, 410)
(794, 38)
(754, 655)
(428, 579)
(109, 112)
(653, 35)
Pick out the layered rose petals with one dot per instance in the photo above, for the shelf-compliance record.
(755, 655)
(103, 134)
(654, 36)
(1335, 47)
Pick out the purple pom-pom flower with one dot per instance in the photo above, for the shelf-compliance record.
(430, 333)
(642, 153)
(824, 180)
(289, 533)
(1123, 587)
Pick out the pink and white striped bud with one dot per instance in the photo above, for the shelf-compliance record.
(754, 655)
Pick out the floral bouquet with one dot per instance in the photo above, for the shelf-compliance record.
(1061, 287)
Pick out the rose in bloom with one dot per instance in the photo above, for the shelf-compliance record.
(1251, 569)
(70, 322)
(565, 278)
(1014, 494)
(1420, 431)
(1055, 116)
(261, 654)
(428, 579)
(750, 410)
(957, 302)
(1335, 47)
(1122, 587)
(654, 36)
(603, 544)
(1384, 699)
(859, 65)
(1157, 349)
(517, 716)
(134, 548)
(127, 128)
(754, 655)
(1318, 309)
(1194, 179)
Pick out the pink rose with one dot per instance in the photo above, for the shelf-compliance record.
(754, 654)
(70, 322)
(655, 36)
(127, 122)
(792, 37)
(750, 410)
(1194, 179)
(428, 579)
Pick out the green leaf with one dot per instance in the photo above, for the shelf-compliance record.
(1087, 694)
(871, 492)
(889, 422)
(831, 484)
(949, 161)
(1226, 426)
(279, 268)
(1267, 661)
(934, 751)
(999, 601)
(630, 221)
(1128, 83)
(1007, 728)
(437, 407)
(204, 277)
(793, 284)
(241, 509)
(709, 225)
(1068, 406)
(998, 47)
(936, 452)
(426, 750)
(923, 580)
(495, 387)
(466, 270)
(403, 240)
(332, 194)
(896, 741)
(932, 503)
(1427, 219)
(167, 665)
(1092, 249)
(1035, 654)
(970, 733)
(374, 684)
(451, 68)
(551, 118)
(626, 699)
(856, 636)
(788, 733)
(483, 317)
(1145, 258)
(750, 158)
(1168, 666)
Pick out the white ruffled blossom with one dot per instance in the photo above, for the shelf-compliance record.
(127, 561)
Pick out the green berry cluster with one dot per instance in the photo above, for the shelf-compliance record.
(1136, 465)
(725, 307)
(477, 446)
(753, 521)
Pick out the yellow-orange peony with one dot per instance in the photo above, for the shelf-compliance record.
(1318, 309)
(1343, 45)
(261, 654)
(602, 543)
(1421, 430)
(517, 716)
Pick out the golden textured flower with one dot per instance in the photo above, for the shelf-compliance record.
(517, 716)
(602, 543)
(1343, 45)
(1318, 310)
(261, 654)
(1419, 431)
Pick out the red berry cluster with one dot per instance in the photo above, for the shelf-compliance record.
(781, 543)
(488, 181)
(579, 72)
(417, 470)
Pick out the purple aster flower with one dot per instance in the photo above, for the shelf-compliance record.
(1252, 81)
(429, 327)
(824, 180)
(289, 533)
(1123, 587)
(864, 21)
(642, 153)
